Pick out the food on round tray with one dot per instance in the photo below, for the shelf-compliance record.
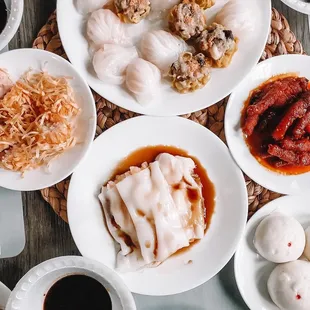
(190, 72)
(154, 210)
(37, 118)
(205, 4)
(162, 49)
(275, 123)
(143, 80)
(5, 82)
(104, 27)
(307, 247)
(187, 20)
(132, 11)
(237, 16)
(111, 61)
(289, 285)
(218, 43)
(279, 238)
(89, 6)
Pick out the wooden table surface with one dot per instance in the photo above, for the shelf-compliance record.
(47, 235)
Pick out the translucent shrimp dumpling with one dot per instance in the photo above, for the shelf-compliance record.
(143, 80)
(111, 61)
(162, 48)
(238, 16)
(104, 27)
(88, 6)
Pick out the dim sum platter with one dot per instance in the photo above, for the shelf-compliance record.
(203, 259)
(294, 183)
(169, 102)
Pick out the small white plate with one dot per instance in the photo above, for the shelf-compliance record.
(30, 291)
(4, 295)
(298, 5)
(251, 270)
(171, 103)
(17, 62)
(285, 184)
(211, 254)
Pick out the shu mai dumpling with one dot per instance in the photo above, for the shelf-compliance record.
(162, 48)
(104, 27)
(89, 6)
(111, 61)
(143, 80)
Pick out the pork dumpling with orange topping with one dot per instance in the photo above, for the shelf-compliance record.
(279, 238)
(187, 20)
(132, 11)
(205, 4)
(190, 72)
(289, 285)
(218, 43)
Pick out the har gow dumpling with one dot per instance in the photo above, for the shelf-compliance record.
(162, 48)
(237, 16)
(143, 80)
(111, 61)
(89, 6)
(104, 27)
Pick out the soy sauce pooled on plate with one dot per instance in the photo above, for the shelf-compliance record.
(3, 15)
(77, 292)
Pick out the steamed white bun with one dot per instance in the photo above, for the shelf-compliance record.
(279, 238)
(307, 247)
(289, 285)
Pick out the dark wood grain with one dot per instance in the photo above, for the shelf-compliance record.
(48, 236)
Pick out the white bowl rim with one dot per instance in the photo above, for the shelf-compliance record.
(13, 22)
(298, 5)
(79, 262)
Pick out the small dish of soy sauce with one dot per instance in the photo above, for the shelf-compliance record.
(71, 283)
(77, 292)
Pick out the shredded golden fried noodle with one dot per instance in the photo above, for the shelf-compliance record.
(36, 121)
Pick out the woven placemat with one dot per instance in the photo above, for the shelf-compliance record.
(280, 41)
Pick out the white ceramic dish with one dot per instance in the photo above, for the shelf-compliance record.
(30, 291)
(286, 184)
(15, 10)
(171, 103)
(4, 295)
(298, 5)
(251, 270)
(211, 254)
(19, 61)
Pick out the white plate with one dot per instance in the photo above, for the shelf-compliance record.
(30, 291)
(19, 61)
(211, 254)
(251, 270)
(285, 184)
(298, 5)
(171, 103)
(4, 295)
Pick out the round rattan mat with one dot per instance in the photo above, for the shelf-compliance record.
(281, 41)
